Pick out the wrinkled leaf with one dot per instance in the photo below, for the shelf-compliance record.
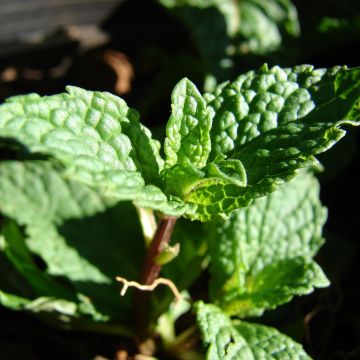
(96, 137)
(273, 122)
(227, 339)
(276, 284)
(188, 129)
(262, 256)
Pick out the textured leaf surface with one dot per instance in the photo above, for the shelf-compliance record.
(273, 122)
(276, 284)
(67, 223)
(97, 138)
(188, 129)
(187, 143)
(263, 24)
(265, 126)
(227, 340)
(262, 256)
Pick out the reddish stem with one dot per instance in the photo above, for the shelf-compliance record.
(149, 273)
(150, 269)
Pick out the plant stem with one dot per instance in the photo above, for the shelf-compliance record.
(149, 273)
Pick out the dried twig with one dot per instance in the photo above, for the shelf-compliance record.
(156, 283)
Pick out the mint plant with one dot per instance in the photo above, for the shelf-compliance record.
(240, 161)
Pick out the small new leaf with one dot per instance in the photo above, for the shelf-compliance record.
(188, 129)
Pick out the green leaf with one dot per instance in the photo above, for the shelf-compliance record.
(13, 302)
(188, 129)
(16, 251)
(96, 137)
(11, 281)
(264, 24)
(66, 222)
(210, 24)
(78, 313)
(222, 29)
(276, 284)
(63, 313)
(61, 303)
(262, 256)
(266, 101)
(227, 339)
(273, 122)
(264, 127)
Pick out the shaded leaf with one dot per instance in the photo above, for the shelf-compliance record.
(63, 313)
(276, 284)
(227, 339)
(14, 247)
(224, 28)
(66, 225)
(264, 24)
(262, 256)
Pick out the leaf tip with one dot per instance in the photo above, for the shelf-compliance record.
(264, 68)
